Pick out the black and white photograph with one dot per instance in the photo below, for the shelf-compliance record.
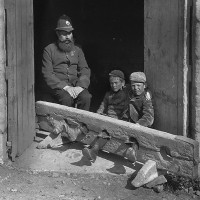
(99, 99)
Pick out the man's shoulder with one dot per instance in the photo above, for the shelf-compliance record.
(78, 47)
(51, 46)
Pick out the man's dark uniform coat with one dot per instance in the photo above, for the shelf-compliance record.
(63, 68)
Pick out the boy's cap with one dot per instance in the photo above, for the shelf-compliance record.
(138, 77)
(117, 73)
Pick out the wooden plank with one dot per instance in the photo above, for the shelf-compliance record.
(195, 93)
(182, 106)
(27, 66)
(161, 65)
(27, 134)
(21, 101)
(163, 56)
(31, 72)
(20, 64)
(23, 82)
(23, 136)
(12, 86)
(177, 154)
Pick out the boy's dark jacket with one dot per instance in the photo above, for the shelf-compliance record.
(113, 104)
(140, 109)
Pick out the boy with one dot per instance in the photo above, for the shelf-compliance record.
(113, 105)
(141, 111)
(114, 101)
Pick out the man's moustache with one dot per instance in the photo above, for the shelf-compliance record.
(66, 41)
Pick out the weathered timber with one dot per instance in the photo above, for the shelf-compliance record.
(20, 79)
(176, 154)
(195, 99)
(164, 59)
(12, 78)
(3, 97)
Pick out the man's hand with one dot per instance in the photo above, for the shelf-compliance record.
(66, 87)
(73, 91)
(78, 90)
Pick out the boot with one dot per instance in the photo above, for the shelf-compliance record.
(91, 153)
(72, 132)
(74, 124)
(56, 123)
(131, 152)
(70, 129)
(46, 143)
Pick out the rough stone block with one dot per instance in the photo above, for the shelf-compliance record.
(158, 188)
(176, 154)
(146, 174)
(157, 181)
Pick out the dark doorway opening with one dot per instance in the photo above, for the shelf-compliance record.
(111, 34)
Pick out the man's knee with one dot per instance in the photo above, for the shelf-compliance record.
(64, 97)
(85, 96)
(83, 100)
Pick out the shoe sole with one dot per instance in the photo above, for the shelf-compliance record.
(131, 155)
(87, 154)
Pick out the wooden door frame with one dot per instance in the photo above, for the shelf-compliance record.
(19, 68)
(3, 89)
(182, 65)
(195, 112)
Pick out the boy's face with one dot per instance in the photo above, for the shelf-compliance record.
(137, 88)
(116, 83)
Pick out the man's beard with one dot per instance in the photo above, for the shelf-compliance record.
(66, 47)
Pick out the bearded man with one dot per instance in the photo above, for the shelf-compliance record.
(65, 69)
